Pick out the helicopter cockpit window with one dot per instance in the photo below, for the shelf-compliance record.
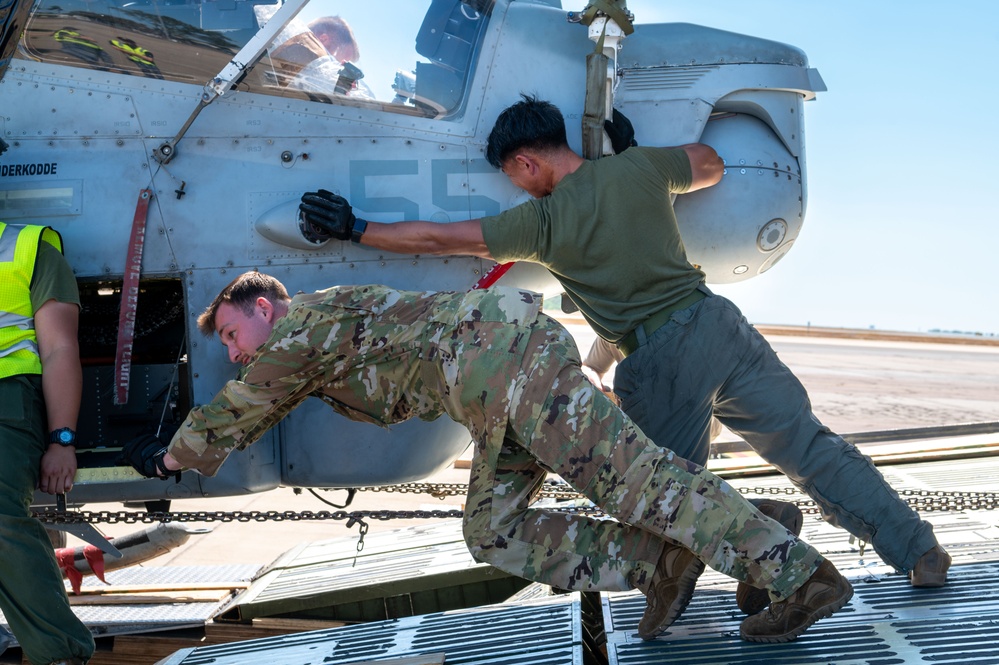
(401, 56)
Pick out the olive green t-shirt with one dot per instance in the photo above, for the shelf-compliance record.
(53, 279)
(608, 233)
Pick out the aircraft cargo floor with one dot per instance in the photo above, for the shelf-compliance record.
(887, 622)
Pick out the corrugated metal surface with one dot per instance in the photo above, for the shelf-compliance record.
(887, 622)
(399, 573)
(104, 620)
(538, 633)
(165, 575)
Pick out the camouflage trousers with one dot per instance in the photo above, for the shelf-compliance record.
(549, 417)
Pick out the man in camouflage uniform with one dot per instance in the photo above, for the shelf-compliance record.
(493, 362)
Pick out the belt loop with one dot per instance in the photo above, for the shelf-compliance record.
(640, 335)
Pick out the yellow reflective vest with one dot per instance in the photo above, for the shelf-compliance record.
(18, 252)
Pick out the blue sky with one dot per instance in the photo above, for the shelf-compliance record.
(899, 233)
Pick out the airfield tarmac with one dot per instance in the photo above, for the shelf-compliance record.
(856, 384)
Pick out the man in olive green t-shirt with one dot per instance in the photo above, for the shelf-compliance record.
(607, 231)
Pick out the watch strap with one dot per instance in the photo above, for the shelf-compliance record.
(360, 225)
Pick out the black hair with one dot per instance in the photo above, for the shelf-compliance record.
(530, 123)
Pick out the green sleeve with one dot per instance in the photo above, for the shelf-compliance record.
(53, 279)
(673, 166)
(515, 234)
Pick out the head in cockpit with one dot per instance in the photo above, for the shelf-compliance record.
(337, 37)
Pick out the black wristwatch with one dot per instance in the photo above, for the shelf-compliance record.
(64, 437)
(360, 225)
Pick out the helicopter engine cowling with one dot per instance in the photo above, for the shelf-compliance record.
(743, 96)
(746, 223)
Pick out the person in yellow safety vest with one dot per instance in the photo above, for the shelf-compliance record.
(71, 36)
(134, 52)
(40, 388)
(138, 55)
(82, 47)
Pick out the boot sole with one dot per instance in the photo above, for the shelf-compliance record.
(929, 580)
(750, 599)
(819, 613)
(686, 584)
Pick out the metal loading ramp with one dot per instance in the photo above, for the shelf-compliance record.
(154, 617)
(421, 570)
(536, 633)
(398, 573)
(888, 622)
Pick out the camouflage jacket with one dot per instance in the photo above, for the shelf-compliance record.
(374, 354)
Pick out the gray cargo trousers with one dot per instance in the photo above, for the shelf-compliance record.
(707, 359)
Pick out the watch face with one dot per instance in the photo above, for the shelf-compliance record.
(64, 437)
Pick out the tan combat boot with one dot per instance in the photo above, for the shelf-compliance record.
(825, 592)
(750, 599)
(670, 590)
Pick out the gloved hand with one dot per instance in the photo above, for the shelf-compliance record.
(620, 132)
(329, 212)
(145, 454)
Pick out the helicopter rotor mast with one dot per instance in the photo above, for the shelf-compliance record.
(609, 22)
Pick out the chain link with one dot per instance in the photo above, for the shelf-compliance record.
(919, 500)
(147, 517)
(550, 490)
(925, 501)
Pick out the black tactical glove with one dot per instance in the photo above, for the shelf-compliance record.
(620, 132)
(145, 454)
(331, 213)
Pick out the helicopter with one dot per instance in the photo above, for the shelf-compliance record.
(169, 143)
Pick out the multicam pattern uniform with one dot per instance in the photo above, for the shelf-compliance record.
(492, 362)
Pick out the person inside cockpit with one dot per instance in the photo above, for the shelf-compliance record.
(336, 35)
(317, 62)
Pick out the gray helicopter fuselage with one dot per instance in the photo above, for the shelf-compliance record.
(96, 88)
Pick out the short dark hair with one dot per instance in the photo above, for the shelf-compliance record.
(530, 123)
(242, 293)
